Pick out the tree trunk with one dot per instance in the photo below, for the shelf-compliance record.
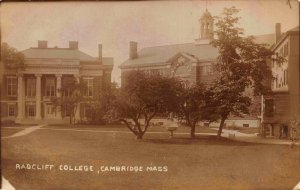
(193, 127)
(70, 119)
(139, 136)
(221, 126)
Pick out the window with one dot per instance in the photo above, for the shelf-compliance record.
(205, 70)
(89, 90)
(281, 52)
(30, 87)
(11, 110)
(30, 110)
(209, 70)
(67, 92)
(285, 77)
(66, 83)
(286, 49)
(206, 124)
(50, 87)
(11, 86)
(245, 125)
(68, 112)
(154, 71)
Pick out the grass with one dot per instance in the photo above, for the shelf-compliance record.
(6, 132)
(201, 163)
(121, 127)
(13, 124)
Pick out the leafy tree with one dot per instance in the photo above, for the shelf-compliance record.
(100, 110)
(143, 97)
(193, 106)
(241, 64)
(295, 129)
(11, 58)
(72, 94)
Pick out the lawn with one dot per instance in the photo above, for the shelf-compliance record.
(6, 132)
(201, 163)
(120, 127)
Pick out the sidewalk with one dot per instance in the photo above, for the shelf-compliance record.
(25, 131)
(253, 138)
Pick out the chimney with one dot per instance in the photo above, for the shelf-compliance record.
(277, 31)
(100, 52)
(132, 50)
(73, 44)
(42, 44)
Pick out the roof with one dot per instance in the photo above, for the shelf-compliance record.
(268, 39)
(56, 53)
(294, 30)
(206, 16)
(161, 54)
(62, 53)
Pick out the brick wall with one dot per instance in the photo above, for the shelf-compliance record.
(281, 111)
(106, 79)
(293, 75)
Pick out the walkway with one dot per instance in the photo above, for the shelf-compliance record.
(5, 183)
(253, 138)
(26, 131)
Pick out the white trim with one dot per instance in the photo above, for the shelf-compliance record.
(8, 101)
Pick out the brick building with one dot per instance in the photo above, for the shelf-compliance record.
(26, 93)
(284, 103)
(193, 62)
(190, 61)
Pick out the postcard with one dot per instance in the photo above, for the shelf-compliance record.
(150, 95)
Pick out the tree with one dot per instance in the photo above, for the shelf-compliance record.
(241, 64)
(11, 58)
(100, 110)
(72, 93)
(193, 107)
(143, 97)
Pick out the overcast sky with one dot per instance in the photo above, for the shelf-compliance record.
(114, 24)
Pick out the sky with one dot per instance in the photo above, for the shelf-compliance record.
(114, 24)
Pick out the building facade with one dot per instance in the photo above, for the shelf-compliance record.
(283, 104)
(26, 93)
(191, 62)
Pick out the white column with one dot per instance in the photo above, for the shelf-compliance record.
(77, 114)
(58, 94)
(38, 97)
(21, 107)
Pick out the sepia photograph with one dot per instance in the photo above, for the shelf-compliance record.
(150, 95)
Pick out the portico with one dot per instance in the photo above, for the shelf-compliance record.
(37, 104)
(28, 92)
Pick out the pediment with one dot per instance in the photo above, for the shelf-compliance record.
(182, 57)
(181, 64)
